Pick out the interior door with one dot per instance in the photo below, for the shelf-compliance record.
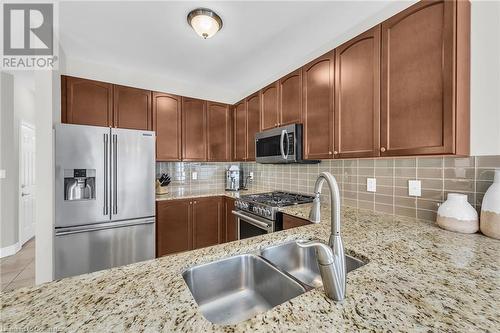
(27, 183)
(132, 174)
(81, 147)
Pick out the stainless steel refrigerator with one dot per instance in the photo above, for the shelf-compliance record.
(105, 198)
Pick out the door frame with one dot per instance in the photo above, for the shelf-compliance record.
(22, 240)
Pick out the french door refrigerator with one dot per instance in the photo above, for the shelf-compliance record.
(105, 198)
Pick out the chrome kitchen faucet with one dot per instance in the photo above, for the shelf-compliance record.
(331, 259)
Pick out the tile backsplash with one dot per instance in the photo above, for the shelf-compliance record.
(438, 176)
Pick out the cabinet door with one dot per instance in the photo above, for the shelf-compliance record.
(132, 108)
(194, 133)
(167, 125)
(290, 98)
(253, 124)
(290, 222)
(173, 227)
(240, 131)
(317, 85)
(218, 132)
(207, 221)
(357, 96)
(231, 228)
(86, 102)
(417, 80)
(269, 117)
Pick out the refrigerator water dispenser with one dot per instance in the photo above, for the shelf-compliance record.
(79, 184)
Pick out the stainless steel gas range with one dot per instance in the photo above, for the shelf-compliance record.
(259, 214)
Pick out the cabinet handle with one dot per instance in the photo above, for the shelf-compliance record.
(382, 149)
(329, 153)
(335, 152)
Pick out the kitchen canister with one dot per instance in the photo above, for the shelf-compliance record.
(490, 209)
(457, 214)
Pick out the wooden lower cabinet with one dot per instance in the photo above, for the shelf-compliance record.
(230, 226)
(173, 227)
(290, 222)
(188, 224)
(207, 221)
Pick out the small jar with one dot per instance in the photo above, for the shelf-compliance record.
(457, 214)
(490, 209)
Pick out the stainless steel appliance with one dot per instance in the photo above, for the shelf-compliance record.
(105, 198)
(280, 145)
(259, 214)
(234, 178)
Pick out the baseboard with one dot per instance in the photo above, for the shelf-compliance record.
(9, 250)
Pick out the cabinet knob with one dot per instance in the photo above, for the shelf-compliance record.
(335, 152)
(190, 202)
(329, 153)
(195, 202)
(382, 149)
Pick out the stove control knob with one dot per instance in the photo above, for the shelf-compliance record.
(237, 204)
(245, 205)
(259, 210)
(255, 209)
(267, 212)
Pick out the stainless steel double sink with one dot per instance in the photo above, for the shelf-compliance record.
(235, 289)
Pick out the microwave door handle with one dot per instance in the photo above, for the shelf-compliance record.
(282, 148)
(287, 145)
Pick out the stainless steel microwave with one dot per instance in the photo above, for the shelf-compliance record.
(280, 145)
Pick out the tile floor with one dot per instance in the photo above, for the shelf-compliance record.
(18, 270)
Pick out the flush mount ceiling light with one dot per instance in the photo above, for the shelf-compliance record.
(204, 22)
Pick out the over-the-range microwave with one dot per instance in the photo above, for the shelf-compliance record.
(280, 145)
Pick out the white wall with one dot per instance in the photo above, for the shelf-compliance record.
(485, 78)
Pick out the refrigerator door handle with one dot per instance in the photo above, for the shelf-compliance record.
(106, 153)
(101, 226)
(115, 172)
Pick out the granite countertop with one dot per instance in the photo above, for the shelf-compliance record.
(418, 278)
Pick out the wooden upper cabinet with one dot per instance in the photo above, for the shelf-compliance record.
(240, 131)
(207, 221)
(218, 132)
(317, 101)
(132, 108)
(270, 107)
(425, 72)
(173, 227)
(194, 132)
(357, 96)
(86, 102)
(167, 125)
(253, 124)
(290, 98)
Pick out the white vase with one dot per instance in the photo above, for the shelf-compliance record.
(457, 214)
(490, 209)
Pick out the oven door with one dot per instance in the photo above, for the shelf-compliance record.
(277, 145)
(250, 225)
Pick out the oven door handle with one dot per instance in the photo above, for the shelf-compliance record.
(251, 220)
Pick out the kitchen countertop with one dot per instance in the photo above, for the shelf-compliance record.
(418, 278)
(186, 193)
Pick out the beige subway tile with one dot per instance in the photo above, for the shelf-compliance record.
(351, 202)
(337, 163)
(384, 172)
(366, 205)
(459, 173)
(366, 172)
(427, 204)
(401, 191)
(385, 181)
(479, 199)
(436, 195)
(430, 162)
(405, 172)
(429, 173)
(366, 196)
(366, 163)
(405, 162)
(488, 161)
(350, 187)
(384, 163)
(384, 199)
(402, 182)
(405, 202)
(426, 215)
(350, 179)
(432, 184)
(485, 174)
(388, 209)
(385, 190)
(350, 171)
(459, 162)
(405, 211)
(350, 194)
(459, 185)
(350, 164)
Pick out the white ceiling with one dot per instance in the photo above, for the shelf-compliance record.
(260, 40)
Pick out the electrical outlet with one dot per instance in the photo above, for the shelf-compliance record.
(415, 188)
(251, 175)
(2, 174)
(194, 175)
(371, 184)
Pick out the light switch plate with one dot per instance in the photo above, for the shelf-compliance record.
(194, 175)
(415, 188)
(371, 184)
(2, 174)
(251, 175)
